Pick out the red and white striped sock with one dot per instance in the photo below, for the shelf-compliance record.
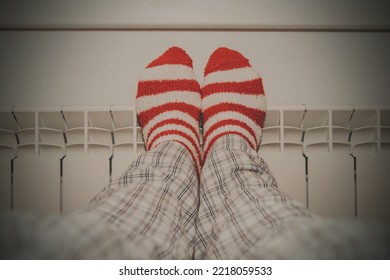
(168, 103)
(233, 100)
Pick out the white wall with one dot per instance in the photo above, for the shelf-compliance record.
(54, 68)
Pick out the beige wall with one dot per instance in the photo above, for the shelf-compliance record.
(54, 68)
(197, 13)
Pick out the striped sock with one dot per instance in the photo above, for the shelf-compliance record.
(168, 103)
(233, 100)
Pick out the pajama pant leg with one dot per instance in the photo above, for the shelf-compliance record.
(149, 212)
(243, 215)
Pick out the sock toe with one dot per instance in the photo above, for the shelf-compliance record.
(173, 55)
(225, 59)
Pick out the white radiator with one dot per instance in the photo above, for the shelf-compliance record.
(333, 159)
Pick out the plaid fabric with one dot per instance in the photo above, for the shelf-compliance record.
(149, 212)
(243, 215)
(154, 211)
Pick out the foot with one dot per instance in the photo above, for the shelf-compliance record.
(168, 103)
(233, 100)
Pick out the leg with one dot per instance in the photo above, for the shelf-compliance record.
(161, 204)
(236, 186)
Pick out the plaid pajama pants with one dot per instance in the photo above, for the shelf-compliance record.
(156, 210)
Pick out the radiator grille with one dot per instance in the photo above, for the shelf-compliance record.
(333, 159)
